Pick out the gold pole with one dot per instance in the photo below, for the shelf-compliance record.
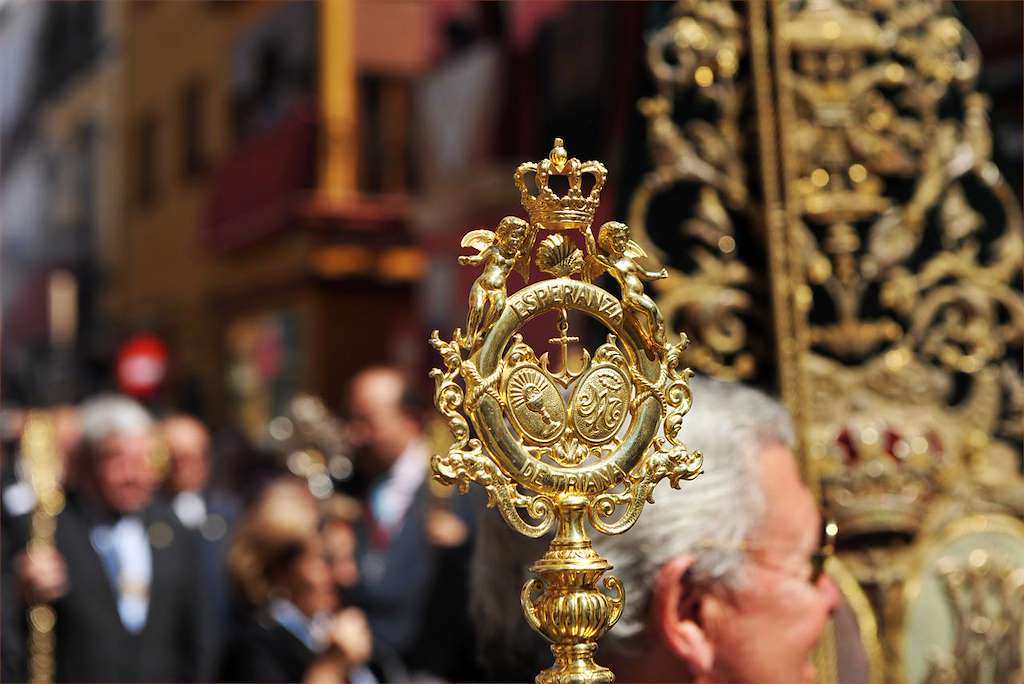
(339, 101)
(784, 273)
(44, 468)
(774, 212)
(799, 295)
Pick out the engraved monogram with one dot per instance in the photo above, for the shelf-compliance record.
(599, 404)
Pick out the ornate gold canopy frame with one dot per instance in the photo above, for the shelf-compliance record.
(842, 164)
(563, 443)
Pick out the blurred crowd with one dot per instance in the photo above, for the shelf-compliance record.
(336, 559)
(333, 558)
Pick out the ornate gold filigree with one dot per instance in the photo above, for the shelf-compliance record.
(697, 54)
(894, 252)
(965, 589)
(886, 187)
(903, 258)
(580, 442)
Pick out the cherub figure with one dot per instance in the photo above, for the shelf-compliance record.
(502, 250)
(620, 260)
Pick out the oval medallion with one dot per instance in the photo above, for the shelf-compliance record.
(535, 404)
(599, 404)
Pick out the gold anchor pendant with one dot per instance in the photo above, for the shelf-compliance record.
(565, 376)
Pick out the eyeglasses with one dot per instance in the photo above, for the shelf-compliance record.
(817, 560)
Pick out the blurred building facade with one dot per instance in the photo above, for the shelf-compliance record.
(290, 175)
(267, 200)
(265, 221)
(60, 186)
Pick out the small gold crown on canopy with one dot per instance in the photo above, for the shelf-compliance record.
(572, 211)
(879, 479)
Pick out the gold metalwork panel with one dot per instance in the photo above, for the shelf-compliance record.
(698, 173)
(908, 244)
(905, 249)
(868, 208)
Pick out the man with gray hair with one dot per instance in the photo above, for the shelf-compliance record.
(723, 577)
(122, 577)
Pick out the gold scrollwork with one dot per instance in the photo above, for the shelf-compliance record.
(895, 252)
(697, 55)
(904, 252)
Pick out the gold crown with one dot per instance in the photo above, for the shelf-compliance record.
(878, 480)
(552, 211)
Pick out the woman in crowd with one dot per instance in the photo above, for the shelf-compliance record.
(293, 630)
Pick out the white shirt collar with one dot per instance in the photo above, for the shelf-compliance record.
(411, 466)
(312, 631)
(394, 494)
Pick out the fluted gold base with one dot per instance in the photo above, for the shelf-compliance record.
(570, 611)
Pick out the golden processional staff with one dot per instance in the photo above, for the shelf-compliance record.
(43, 467)
(567, 446)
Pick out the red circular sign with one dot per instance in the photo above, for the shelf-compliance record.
(141, 366)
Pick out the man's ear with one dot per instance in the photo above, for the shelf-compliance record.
(675, 616)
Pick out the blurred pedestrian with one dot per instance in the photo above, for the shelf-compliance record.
(293, 629)
(210, 512)
(340, 515)
(122, 574)
(413, 554)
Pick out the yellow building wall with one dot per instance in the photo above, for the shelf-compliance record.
(165, 272)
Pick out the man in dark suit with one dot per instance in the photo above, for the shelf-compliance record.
(408, 546)
(122, 577)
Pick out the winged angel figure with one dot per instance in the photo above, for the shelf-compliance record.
(501, 250)
(620, 260)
